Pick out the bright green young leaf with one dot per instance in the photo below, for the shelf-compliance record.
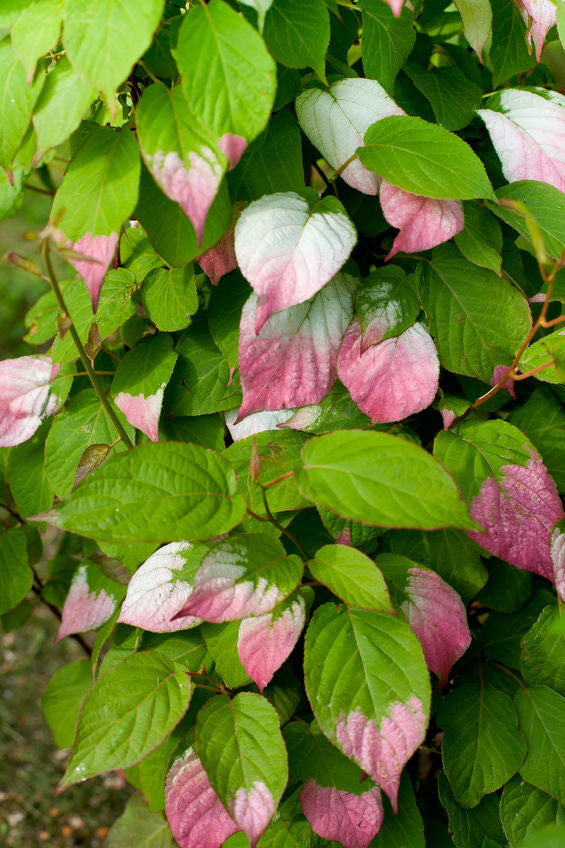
(103, 38)
(10, 11)
(543, 652)
(374, 707)
(508, 52)
(128, 712)
(64, 98)
(186, 647)
(467, 306)
(158, 492)
(545, 204)
(481, 239)
(470, 828)
(16, 576)
(169, 296)
(386, 42)
(525, 809)
(138, 826)
(546, 837)
(482, 748)
(476, 16)
(221, 641)
(298, 34)
(62, 699)
(424, 159)
(379, 479)
(227, 74)
(452, 96)
(29, 485)
(541, 717)
(11, 192)
(17, 100)
(549, 352)
(542, 419)
(351, 576)
(36, 31)
(243, 752)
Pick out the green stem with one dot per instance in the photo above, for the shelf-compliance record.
(302, 550)
(80, 348)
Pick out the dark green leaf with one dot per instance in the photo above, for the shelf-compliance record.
(16, 576)
(543, 652)
(508, 53)
(453, 97)
(387, 41)
(469, 828)
(298, 34)
(140, 827)
(541, 716)
(480, 241)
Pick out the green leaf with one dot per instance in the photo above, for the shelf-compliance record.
(11, 195)
(452, 96)
(482, 748)
(388, 299)
(128, 712)
(541, 716)
(104, 38)
(311, 755)
(406, 488)
(547, 837)
(386, 41)
(542, 652)
(169, 296)
(542, 420)
(524, 809)
(467, 306)
(26, 473)
(158, 492)
(138, 826)
(548, 351)
(424, 159)
(83, 423)
(62, 699)
(351, 576)
(224, 314)
(205, 430)
(480, 241)
(227, 75)
(186, 648)
(221, 641)
(354, 533)
(243, 752)
(35, 31)
(469, 828)
(17, 100)
(298, 34)
(508, 53)
(502, 633)
(63, 100)
(507, 589)
(544, 203)
(99, 189)
(16, 576)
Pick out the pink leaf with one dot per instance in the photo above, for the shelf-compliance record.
(156, 592)
(541, 15)
(383, 752)
(508, 385)
(142, 412)
(220, 259)
(436, 615)
(424, 222)
(448, 417)
(193, 184)
(24, 397)
(252, 811)
(292, 361)
(195, 814)
(264, 642)
(396, 6)
(351, 820)
(528, 134)
(558, 559)
(393, 379)
(84, 609)
(518, 514)
(233, 147)
(100, 250)
(289, 247)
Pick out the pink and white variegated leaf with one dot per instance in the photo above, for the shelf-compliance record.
(528, 134)
(99, 252)
(424, 222)
(265, 641)
(25, 397)
(248, 574)
(292, 361)
(351, 820)
(257, 422)
(161, 586)
(540, 16)
(387, 304)
(220, 259)
(518, 511)
(289, 245)
(196, 815)
(335, 119)
(558, 557)
(392, 379)
(91, 600)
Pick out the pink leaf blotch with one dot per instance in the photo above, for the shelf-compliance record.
(558, 559)
(220, 259)
(142, 412)
(396, 6)
(84, 610)
(100, 251)
(351, 820)
(195, 814)
(383, 751)
(289, 251)
(436, 615)
(498, 374)
(424, 222)
(540, 15)
(154, 594)
(392, 379)
(292, 361)
(192, 184)
(233, 147)
(518, 513)
(265, 641)
(252, 810)
(24, 397)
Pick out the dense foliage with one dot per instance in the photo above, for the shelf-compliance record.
(295, 407)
